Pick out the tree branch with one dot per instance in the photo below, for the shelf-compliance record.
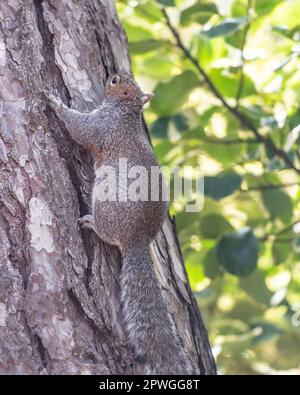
(242, 118)
(244, 39)
(212, 140)
(281, 240)
(280, 232)
(270, 186)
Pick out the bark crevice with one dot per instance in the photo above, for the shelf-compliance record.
(49, 68)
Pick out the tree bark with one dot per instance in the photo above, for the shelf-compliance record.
(60, 309)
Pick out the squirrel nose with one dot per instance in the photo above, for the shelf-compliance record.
(147, 97)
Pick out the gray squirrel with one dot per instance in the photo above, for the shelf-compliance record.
(112, 131)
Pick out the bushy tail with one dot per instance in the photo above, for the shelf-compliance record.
(150, 327)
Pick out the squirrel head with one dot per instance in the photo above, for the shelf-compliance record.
(122, 89)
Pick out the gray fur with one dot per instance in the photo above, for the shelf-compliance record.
(112, 131)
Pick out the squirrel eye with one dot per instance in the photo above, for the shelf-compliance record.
(115, 80)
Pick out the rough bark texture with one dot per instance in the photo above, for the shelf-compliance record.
(59, 287)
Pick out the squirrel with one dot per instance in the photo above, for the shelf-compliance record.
(112, 131)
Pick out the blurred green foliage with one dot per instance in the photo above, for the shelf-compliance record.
(242, 251)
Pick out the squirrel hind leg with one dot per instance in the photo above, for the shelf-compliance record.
(88, 222)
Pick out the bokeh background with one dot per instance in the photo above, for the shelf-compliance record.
(227, 80)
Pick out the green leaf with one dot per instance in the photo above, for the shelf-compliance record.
(167, 3)
(171, 95)
(193, 264)
(222, 185)
(157, 67)
(211, 265)
(162, 149)
(239, 8)
(294, 119)
(150, 11)
(251, 208)
(159, 128)
(194, 134)
(282, 30)
(136, 33)
(226, 156)
(184, 220)
(238, 252)
(207, 51)
(181, 122)
(287, 13)
(226, 27)
(228, 83)
(279, 204)
(214, 225)
(264, 7)
(262, 179)
(255, 286)
(293, 33)
(280, 252)
(138, 47)
(199, 12)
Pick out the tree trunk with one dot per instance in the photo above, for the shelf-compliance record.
(60, 308)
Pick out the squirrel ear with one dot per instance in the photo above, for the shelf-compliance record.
(147, 97)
